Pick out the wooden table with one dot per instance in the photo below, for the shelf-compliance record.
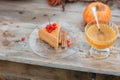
(19, 18)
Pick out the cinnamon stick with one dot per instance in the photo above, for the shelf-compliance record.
(64, 39)
(60, 36)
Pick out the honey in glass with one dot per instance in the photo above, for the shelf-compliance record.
(101, 39)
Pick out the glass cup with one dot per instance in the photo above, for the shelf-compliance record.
(101, 39)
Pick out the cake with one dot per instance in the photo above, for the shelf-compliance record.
(50, 34)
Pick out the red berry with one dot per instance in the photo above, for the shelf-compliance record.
(47, 27)
(23, 39)
(51, 27)
(50, 30)
(54, 24)
(68, 43)
(54, 27)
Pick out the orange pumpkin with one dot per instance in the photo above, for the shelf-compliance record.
(103, 12)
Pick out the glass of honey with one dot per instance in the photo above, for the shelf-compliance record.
(101, 39)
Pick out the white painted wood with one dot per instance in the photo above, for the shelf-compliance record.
(19, 18)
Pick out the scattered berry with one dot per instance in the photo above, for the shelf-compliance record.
(23, 39)
(68, 43)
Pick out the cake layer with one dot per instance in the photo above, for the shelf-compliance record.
(50, 38)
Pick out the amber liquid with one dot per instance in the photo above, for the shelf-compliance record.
(101, 39)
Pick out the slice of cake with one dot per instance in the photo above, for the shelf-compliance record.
(50, 34)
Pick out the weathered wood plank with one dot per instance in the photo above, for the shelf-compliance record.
(16, 24)
(18, 71)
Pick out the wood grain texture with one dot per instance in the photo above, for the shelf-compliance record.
(19, 71)
(19, 18)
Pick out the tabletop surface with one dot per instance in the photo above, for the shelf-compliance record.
(20, 18)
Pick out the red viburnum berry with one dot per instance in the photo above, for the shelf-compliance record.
(23, 39)
(54, 2)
